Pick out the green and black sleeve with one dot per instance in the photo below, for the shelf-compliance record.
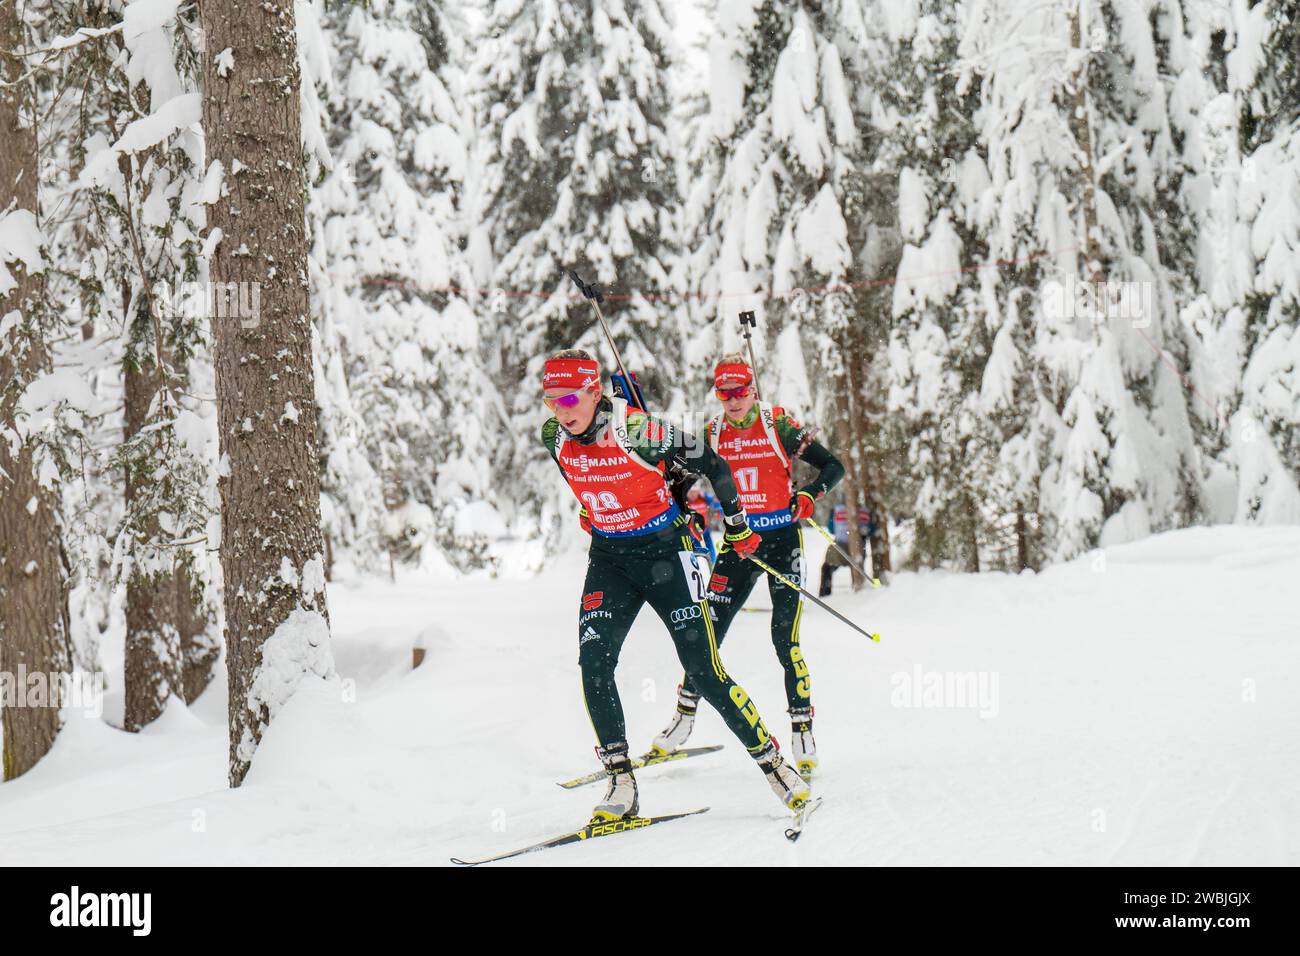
(682, 453)
(797, 441)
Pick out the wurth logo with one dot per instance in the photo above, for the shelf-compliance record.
(593, 600)
(719, 583)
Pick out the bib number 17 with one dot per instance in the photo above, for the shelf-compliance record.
(746, 479)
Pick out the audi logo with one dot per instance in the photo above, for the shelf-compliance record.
(686, 613)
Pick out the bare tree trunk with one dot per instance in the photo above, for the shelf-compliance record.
(271, 548)
(875, 480)
(171, 641)
(861, 452)
(852, 491)
(152, 670)
(1081, 127)
(1022, 541)
(196, 623)
(33, 596)
(970, 514)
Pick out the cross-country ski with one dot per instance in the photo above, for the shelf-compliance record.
(591, 831)
(646, 760)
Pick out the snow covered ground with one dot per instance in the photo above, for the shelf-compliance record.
(1144, 709)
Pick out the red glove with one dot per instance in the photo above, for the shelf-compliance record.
(584, 519)
(801, 506)
(742, 540)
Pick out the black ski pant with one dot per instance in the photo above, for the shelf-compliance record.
(734, 578)
(624, 574)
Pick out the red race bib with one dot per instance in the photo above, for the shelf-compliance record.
(624, 494)
(759, 466)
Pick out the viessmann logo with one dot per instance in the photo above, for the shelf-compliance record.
(739, 444)
(585, 463)
(73, 909)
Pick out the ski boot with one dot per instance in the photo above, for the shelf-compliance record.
(679, 728)
(803, 749)
(621, 802)
(790, 788)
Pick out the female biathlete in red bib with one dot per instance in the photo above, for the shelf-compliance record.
(617, 462)
(759, 443)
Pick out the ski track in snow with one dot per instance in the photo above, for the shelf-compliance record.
(1121, 736)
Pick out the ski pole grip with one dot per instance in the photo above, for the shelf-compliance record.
(589, 291)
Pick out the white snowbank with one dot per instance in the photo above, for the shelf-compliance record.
(1146, 700)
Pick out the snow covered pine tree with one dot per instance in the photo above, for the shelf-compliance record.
(140, 250)
(409, 415)
(783, 195)
(576, 171)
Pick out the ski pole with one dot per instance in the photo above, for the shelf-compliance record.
(747, 322)
(592, 295)
(809, 595)
(875, 582)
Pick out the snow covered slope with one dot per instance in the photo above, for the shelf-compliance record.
(1141, 709)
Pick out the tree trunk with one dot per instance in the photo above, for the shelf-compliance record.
(152, 669)
(971, 516)
(861, 450)
(171, 640)
(1081, 127)
(197, 626)
(1022, 541)
(33, 596)
(855, 496)
(266, 407)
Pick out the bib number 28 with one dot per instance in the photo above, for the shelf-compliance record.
(602, 502)
(697, 575)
